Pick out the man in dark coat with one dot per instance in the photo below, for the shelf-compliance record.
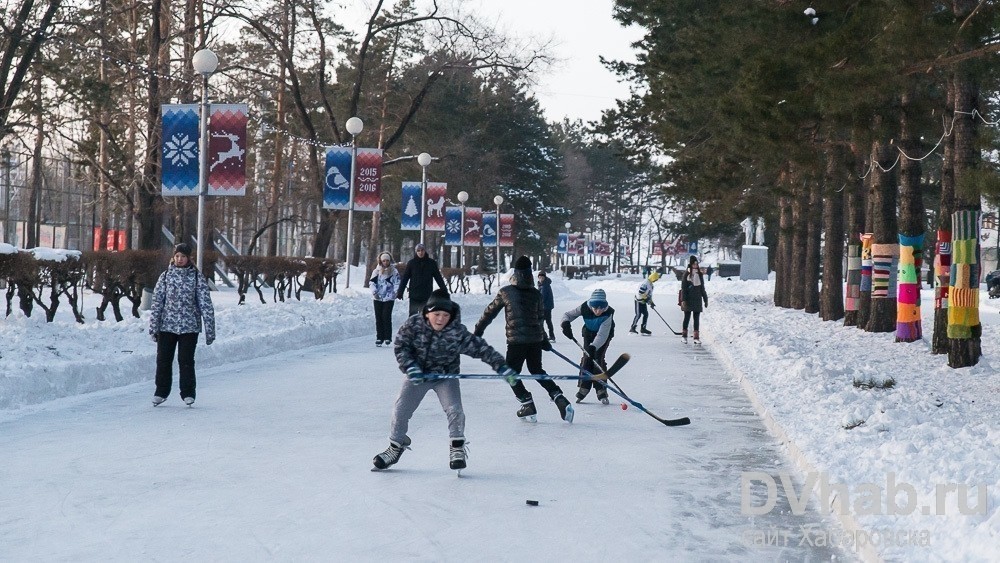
(421, 272)
(548, 300)
(524, 310)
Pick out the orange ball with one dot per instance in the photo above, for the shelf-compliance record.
(624, 407)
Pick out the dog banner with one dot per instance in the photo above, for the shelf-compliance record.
(434, 219)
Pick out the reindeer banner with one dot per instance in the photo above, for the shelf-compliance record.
(436, 192)
(227, 149)
(490, 229)
(337, 186)
(453, 225)
(473, 226)
(506, 229)
(368, 180)
(409, 216)
(179, 151)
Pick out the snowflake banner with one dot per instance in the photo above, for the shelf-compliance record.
(409, 217)
(368, 180)
(473, 226)
(436, 192)
(227, 144)
(562, 243)
(453, 226)
(337, 186)
(490, 229)
(506, 229)
(179, 150)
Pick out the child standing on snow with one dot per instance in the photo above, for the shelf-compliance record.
(384, 283)
(433, 343)
(644, 297)
(598, 330)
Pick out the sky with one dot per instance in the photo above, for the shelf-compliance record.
(771, 396)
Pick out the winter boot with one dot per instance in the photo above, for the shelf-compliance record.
(644, 331)
(378, 343)
(565, 409)
(580, 396)
(697, 339)
(632, 330)
(602, 396)
(527, 411)
(157, 400)
(457, 454)
(684, 335)
(391, 454)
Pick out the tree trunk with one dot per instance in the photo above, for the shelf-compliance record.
(783, 257)
(831, 307)
(942, 246)
(814, 224)
(37, 167)
(854, 203)
(800, 227)
(885, 244)
(150, 221)
(911, 234)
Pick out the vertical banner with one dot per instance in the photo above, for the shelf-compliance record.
(179, 150)
(337, 186)
(908, 327)
(436, 192)
(963, 293)
(473, 226)
(409, 215)
(368, 180)
(506, 229)
(227, 148)
(490, 229)
(581, 244)
(602, 248)
(562, 243)
(453, 225)
(658, 247)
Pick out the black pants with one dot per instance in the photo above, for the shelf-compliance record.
(687, 318)
(599, 363)
(640, 311)
(416, 305)
(548, 323)
(184, 344)
(383, 320)
(517, 354)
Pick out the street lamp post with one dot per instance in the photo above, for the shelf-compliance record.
(423, 159)
(354, 126)
(205, 62)
(462, 198)
(587, 241)
(498, 200)
(566, 255)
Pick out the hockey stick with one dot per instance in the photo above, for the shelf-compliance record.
(600, 377)
(665, 321)
(614, 388)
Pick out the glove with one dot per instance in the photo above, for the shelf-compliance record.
(651, 304)
(567, 330)
(591, 351)
(415, 376)
(546, 345)
(209, 340)
(509, 374)
(155, 336)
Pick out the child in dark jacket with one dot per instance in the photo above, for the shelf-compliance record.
(433, 343)
(598, 330)
(548, 301)
(523, 311)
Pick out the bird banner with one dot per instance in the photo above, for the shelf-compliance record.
(490, 229)
(337, 186)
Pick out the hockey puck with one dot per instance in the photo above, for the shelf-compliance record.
(531, 502)
(624, 407)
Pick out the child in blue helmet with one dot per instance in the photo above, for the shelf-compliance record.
(598, 330)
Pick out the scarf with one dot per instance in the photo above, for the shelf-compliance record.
(695, 278)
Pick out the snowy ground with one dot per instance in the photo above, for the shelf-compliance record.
(294, 400)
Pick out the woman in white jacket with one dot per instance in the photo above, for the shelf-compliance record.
(384, 283)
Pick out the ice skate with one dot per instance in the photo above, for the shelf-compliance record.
(157, 400)
(378, 343)
(580, 397)
(391, 455)
(189, 401)
(644, 332)
(565, 409)
(697, 339)
(633, 330)
(527, 411)
(684, 335)
(457, 455)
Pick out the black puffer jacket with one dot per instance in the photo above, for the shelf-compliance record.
(524, 307)
(418, 344)
(420, 275)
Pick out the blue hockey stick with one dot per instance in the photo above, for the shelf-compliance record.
(613, 387)
(586, 377)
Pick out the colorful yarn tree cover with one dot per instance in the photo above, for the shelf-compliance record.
(963, 293)
(853, 277)
(884, 258)
(866, 262)
(908, 327)
(942, 269)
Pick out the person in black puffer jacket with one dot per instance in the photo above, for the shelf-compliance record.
(421, 272)
(524, 311)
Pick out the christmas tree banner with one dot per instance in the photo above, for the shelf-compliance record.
(436, 192)
(368, 180)
(337, 186)
(227, 144)
(506, 229)
(409, 216)
(453, 225)
(562, 243)
(179, 150)
(473, 226)
(490, 229)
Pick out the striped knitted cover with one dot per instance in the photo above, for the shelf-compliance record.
(908, 327)
(853, 277)
(884, 258)
(942, 269)
(866, 262)
(963, 293)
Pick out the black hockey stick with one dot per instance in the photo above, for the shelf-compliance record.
(617, 390)
(599, 377)
(665, 321)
